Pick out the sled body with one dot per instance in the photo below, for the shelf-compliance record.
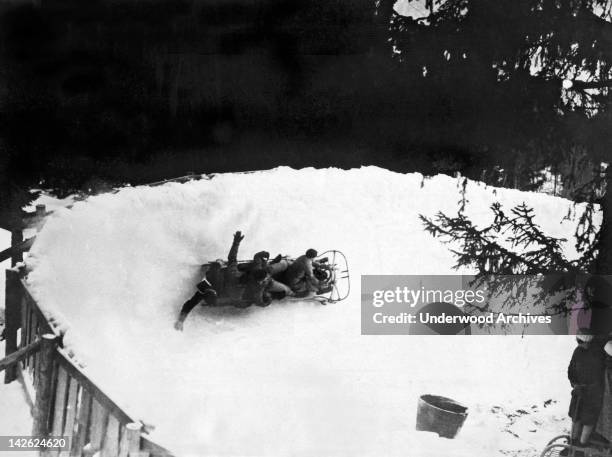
(332, 273)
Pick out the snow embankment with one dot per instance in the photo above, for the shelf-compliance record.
(295, 379)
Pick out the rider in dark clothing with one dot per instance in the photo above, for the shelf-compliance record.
(219, 286)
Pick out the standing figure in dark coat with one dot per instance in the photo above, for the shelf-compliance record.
(585, 373)
(604, 424)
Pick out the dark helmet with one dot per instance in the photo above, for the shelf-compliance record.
(311, 253)
(210, 297)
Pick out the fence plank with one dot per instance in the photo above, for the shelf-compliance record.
(30, 321)
(17, 249)
(25, 324)
(17, 246)
(33, 334)
(141, 454)
(24, 318)
(99, 418)
(153, 448)
(25, 333)
(80, 437)
(71, 410)
(44, 326)
(20, 354)
(88, 384)
(59, 410)
(110, 445)
(44, 393)
(12, 298)
(71, 407)
(34, 325)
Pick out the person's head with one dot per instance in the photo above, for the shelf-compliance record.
(311, 253)
(259, 275)
(608, 349)
(262, 255)
(210, 297)
(584, 337)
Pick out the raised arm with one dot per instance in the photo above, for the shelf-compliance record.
(232, 257)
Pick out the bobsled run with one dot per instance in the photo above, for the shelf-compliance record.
(329, 268)
(561, 446)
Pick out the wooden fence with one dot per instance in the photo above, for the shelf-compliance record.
(67, 402)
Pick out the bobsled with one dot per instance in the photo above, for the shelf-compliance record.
(329, 268)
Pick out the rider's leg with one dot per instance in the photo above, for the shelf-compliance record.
(575, 435)
(576, 431)
(278, 267)
(312, 284)
(277, 286)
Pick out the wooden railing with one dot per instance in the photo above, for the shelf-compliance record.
(67, 402)
(64, 400)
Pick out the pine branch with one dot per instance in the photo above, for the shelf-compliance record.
(480, 249)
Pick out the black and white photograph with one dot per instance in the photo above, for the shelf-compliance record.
(306, 228)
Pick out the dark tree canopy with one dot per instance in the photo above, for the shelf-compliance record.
(499, 67)
(539, 72)
(124, 91)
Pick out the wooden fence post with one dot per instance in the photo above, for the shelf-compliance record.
(130, 440)
(12, 319)
(44, 385)
(16, 240)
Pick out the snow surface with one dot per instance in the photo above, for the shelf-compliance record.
(295, 379)
(52, 203)
(15, 418)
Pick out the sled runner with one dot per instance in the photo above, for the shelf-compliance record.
(330, 269)
(560, 446)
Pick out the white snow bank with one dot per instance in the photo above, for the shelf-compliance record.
(15, 419)
(50, 201)
(295, 379)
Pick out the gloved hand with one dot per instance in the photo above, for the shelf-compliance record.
(178, 325)
(238, 236)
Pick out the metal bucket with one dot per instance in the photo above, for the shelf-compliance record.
(441, 415)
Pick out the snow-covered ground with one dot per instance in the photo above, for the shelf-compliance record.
(15, 418)
(294, 379)
(51, 204)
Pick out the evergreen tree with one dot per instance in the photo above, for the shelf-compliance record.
(539, 72)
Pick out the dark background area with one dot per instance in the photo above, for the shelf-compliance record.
(117, 91)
